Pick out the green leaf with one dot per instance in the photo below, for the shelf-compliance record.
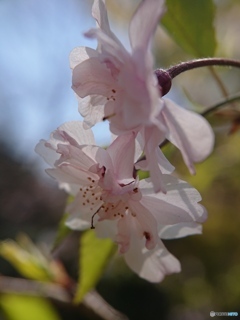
(31, 262)
(190, 24)
(30, 265)
(94, 255)
(21, 307)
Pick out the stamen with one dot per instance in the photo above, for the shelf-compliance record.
(92, 226)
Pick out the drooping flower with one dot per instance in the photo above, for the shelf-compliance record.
(110, 199)
(113, 84)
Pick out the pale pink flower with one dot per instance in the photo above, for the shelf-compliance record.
(113, 84)
(109, 198)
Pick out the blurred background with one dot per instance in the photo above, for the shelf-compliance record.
(35, 88)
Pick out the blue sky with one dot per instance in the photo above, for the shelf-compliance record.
(36, 37)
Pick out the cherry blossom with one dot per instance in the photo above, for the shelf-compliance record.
(113, 84)
(109, 198)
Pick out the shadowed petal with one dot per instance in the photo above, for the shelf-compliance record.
(151, 265)
(179, 230)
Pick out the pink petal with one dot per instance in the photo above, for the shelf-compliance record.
(68, 174)
(92, 77)
(180, 230)
(165, 213)
(144, 22)
(74, 156)
(46, 152)
(81, 212)
(179, 193)
(189, 132)
(99, 13)
(145, 223)
(75, 130)
(69, 132)
(91, 109)
(122, 152)
(152, 140)
(151, 265)
(124, 234)
(81, 54)
(112, 50)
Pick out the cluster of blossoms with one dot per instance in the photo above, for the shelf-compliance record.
(121, 87)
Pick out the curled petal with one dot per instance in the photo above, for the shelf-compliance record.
(99, 13)
(76, 131)
(47, 152)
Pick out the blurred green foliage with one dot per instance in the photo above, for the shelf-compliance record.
(190, 24)
(23, 307)
(94, 256)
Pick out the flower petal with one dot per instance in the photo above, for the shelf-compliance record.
(92, 77)
(68, 133)
(99, 13)
(75, 130)
(165, 213)
(91, 109)
(80, 54)
(151, 265)
(179, 193)
(152, 140)
(144, 22)
(144, 223)
(46, 152)
(112, 50)
(179, 230)
(83, 209)
(69, 174)
(122, 152)
(189, 132)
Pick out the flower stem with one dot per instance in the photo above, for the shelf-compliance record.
(221, 104)
(198, 63)
(219, 82)
(165, 77)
